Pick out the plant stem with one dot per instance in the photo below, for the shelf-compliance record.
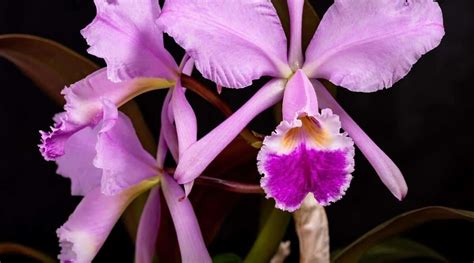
(226, 185)
(229, 186)
(269, 237)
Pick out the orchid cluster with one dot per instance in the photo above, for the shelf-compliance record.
(360, 45)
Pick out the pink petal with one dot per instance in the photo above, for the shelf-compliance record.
(185, 119)
(76, 163)
(84, 98)
(150, 219)
(187, 65)
(383, 165)
(162, 150)
(309, 154)
(87, 228)
(167, 128)
(120, 155)
(183, 113)
(84, 106)
(299, 98)
(191, 242)
(295, 53)
(208, 30)
(367, 45)
(52, 142)
(148, 227)
(194, 160)
(125, 35)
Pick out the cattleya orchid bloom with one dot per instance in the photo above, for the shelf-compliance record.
(111, 155)
(97, 148)
(361, 45)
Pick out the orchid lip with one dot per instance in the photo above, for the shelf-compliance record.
(306, 156)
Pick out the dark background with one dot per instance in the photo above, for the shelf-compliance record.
(423, 123)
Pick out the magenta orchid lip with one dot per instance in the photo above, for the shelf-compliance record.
(307, 153)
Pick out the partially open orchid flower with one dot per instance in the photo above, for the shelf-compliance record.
(138, 65)
(361, 45)
(125, 35)
(97, 148)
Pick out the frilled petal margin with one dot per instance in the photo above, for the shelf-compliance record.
(125, 35)
(86, 230)
(307, 153)
(109, 154)
(120, 155)
(76, 163)
(191, 243)
(84, 106)
(367, 45)
(207, 30)
(306, 156)
(80, 152)
(383, 165)
(52, 142)
(199, 155)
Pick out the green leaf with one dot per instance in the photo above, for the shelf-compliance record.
(227, 258)
(398, 249)
(397, 225)
(49, 64)
(13, 248)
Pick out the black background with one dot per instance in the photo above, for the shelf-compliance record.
(423, 123)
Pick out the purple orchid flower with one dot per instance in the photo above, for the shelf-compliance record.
(363, 45)
(112, 155)
(125, 36)
(96, 147)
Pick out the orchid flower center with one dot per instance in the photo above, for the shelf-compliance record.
(310, 133)
(295, 66)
